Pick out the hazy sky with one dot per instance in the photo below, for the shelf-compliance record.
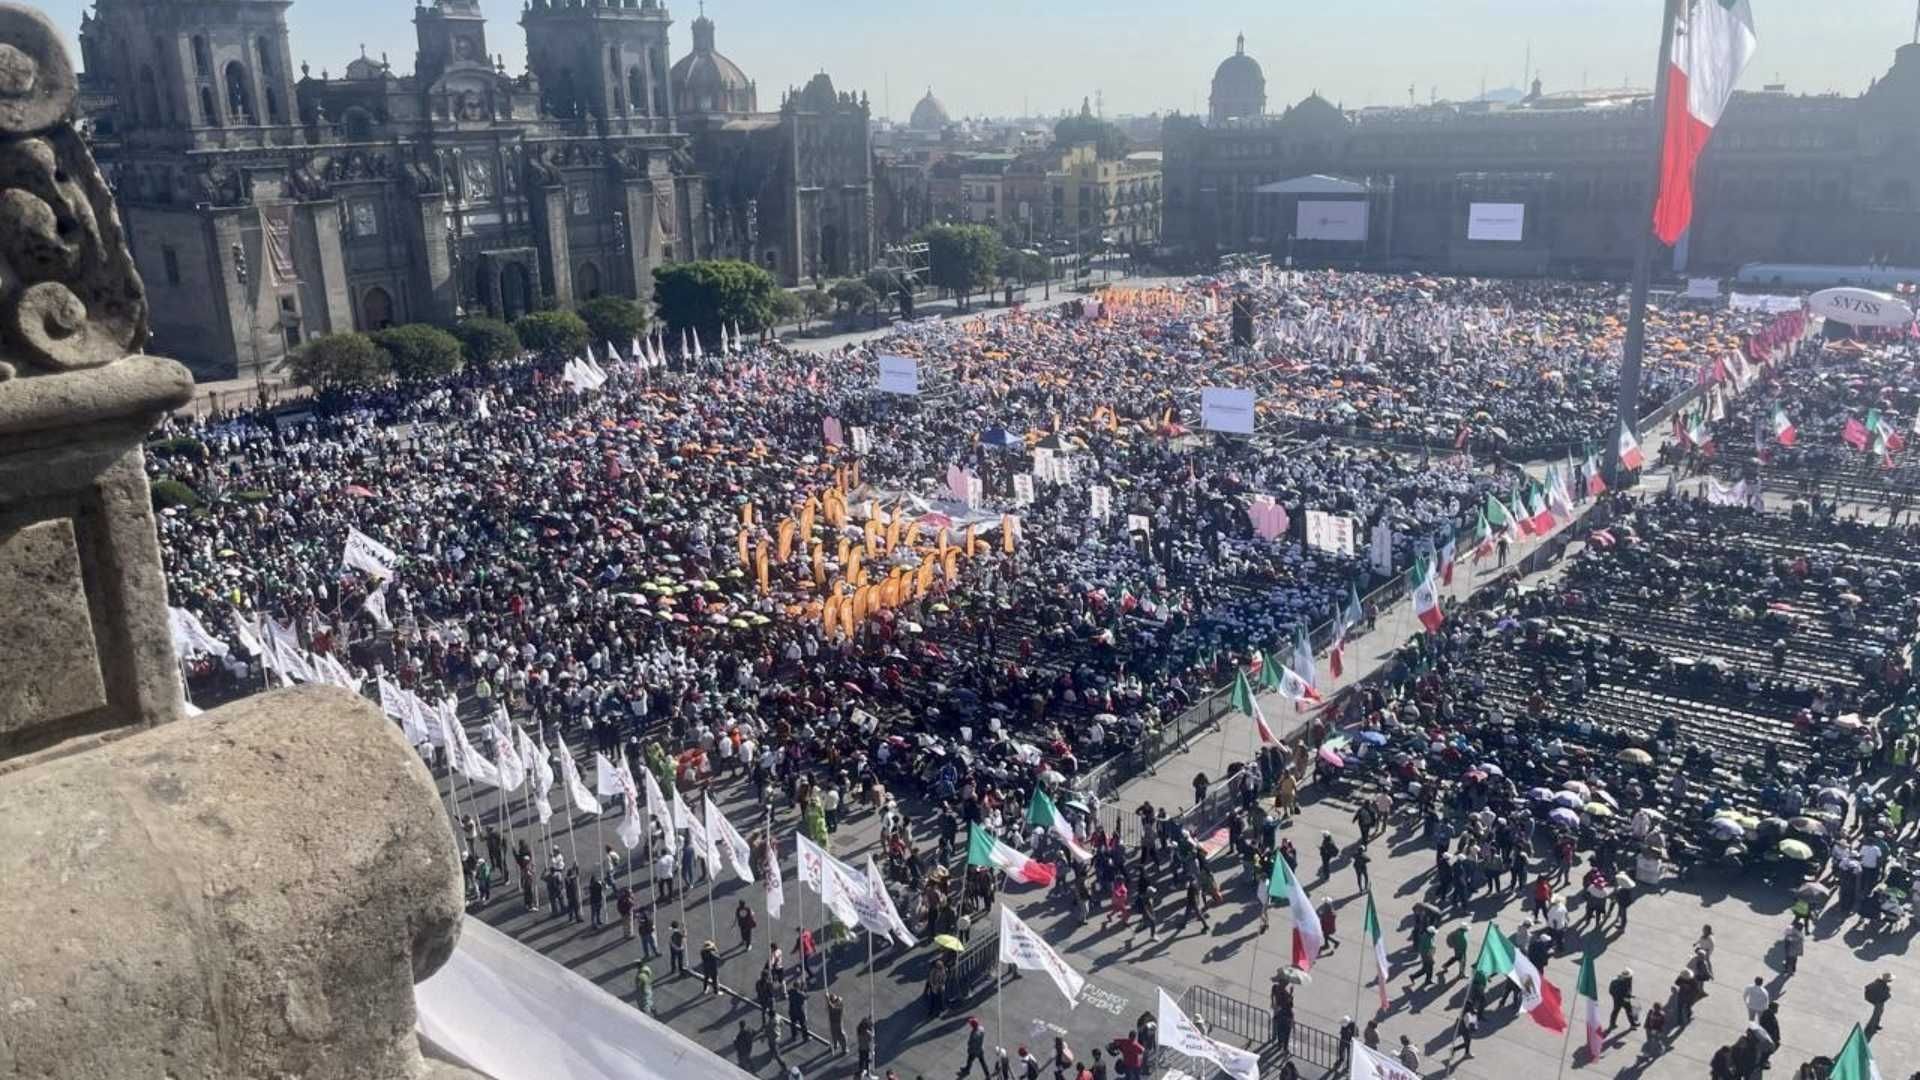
(998, 57)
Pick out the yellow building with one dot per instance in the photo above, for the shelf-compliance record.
(1115, 202)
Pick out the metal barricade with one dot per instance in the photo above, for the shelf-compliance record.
(1223, 1014)
(974, 963)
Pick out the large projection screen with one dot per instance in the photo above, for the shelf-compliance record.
(1505, 222)
(1322, 220)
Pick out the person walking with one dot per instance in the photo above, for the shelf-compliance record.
(1756, 999)
(1703, 952)
(743, 1046)
(643, 987)
(1792, 945)
(1329, 851)
(597, 900)
(1360, 859)
(976, 1050)
(763, 996)
(623, 904)
(1464, 1030)
(643, 922)
(1620, 989)
(1329, 923)
(863, 1043)
(1457, 949)
(1409, 1057)
(743, 918)
(1424, 945)
(676, 948)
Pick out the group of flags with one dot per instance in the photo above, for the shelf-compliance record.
(1877, 430)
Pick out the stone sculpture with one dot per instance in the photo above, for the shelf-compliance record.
(249, 893)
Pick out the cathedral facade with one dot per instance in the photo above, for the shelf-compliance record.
(266, 204)
(1793, 178)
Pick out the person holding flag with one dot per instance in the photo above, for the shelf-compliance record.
(1586, 995)
(984, 850)
(1308, 938)
(1539, 998)
(1349, 617)
(1041, 811)
(1379, 940)
(1243, 701)
(1426, 602)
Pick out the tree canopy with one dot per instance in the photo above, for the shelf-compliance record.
(961, 258)
(555, 335)
(486, 342)
(614, 319)
(701, 296)
(418, 352)
(333, 361)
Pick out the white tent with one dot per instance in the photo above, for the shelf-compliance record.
(502, 1009)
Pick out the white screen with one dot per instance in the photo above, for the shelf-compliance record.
(1502, 221)
(1319, 220)
(1227, 408)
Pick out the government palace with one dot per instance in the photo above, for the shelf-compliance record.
(1550, 184)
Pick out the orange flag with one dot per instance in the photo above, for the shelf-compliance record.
(1008, 526)
(806, 518)
(854, 576)
(923, 580)
(746, 514)
(745, 563)
(893, 530)
(873, 537)
(967, 543)
(950, 565)
(760, 564)
(785, 549)
(846, 552)
(829, 616)
(819, 564)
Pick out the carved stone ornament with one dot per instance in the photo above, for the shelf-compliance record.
(69, 295)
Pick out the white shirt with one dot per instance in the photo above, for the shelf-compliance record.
(1757, 999)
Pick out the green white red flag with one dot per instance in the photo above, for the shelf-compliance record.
(1587, 995)
(1712, 44)
(1284, 886)
(1379, 949)
(984, 850)
(1041, 811)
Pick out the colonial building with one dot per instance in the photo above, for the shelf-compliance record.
(266, 204)
(1824, 179)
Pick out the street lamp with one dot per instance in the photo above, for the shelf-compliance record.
(253, 338)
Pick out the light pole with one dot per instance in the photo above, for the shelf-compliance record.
(456, 282)
(253, 337)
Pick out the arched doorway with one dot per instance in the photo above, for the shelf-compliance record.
(586, 281)
(830, 256)
(376, 309)
(516, 291)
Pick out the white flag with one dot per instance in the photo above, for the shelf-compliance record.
(703, 847)
(1179, 1033)
(478, 767)
(814, 861)
(728, 840)
(449, 725)
(583, 800)
(506, 760)
(249, 636)
(365, 553)
(1026, 950)
(535, 762)
(883, 900)
(606, 782)
(776, 885)
(190, 637)
(656, 802)
(1372, 1065)
(630, 828)
(376, 606)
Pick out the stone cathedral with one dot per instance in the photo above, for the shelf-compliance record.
(267, 202)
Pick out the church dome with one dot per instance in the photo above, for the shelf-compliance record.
(1239, 86)
(706, 82)
(929, 114)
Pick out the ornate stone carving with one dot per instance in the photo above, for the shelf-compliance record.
(69, 297)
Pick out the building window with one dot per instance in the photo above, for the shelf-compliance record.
(202, 58)
(582, 202)
(170, 259)
(265, 49)
(366, 219)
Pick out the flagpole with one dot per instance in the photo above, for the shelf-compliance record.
(1636, 340)
(999, 1013)
(871, 1014)
(1567, 1039)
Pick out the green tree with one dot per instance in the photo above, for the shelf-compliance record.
(854, 296)
(787, 307)
(883, 281)
(961, 258)
(486, 342)
(614, 319)
(816, 302)
(700, 296)
(555, 335)
(335, 361)
(168, 492)
(419, 352)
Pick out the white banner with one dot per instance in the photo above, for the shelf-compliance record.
(1382, 550)
(1370, 1065)
(190, 637)
(1026, 950)
(1331, 533)
(899, 375)
(1503, 222)
(1227, 409)
(365, 553)
(1345, 221)
(1100, 502)
(1023, 489)
(861, 441)
(731, 844)
(1179, 1034)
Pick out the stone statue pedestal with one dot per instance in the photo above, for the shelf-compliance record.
(247, 894)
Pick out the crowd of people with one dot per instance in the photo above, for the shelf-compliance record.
(656, 565)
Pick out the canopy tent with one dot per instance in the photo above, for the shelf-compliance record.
(504, 1010)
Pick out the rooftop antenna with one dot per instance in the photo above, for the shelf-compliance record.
(886, 94)
(1526, 68)
(1100, 104)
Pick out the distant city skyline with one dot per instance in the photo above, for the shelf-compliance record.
(1007, 58)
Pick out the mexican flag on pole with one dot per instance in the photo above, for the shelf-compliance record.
(1446, 557)
(984, 850)
(1343, 624)
(1500, 519)
(1596, 484)
(1426, 603)
(1285, 887)
(1539, 998)
(1854, 434)
(1883, 428)
(1379, 948)
(1587, 995)
(1711, 47)
(1539, 517)
(1303, 665)
(1783, 431)
(1559, 500)
(1042, 812)
(1855, 1060)
(1296, 688)
(1700, 431)
(1244, 701)
(1483, 538)
(1268, 672)
(1630, 456)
